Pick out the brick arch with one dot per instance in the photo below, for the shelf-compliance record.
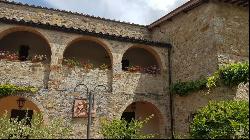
(155, 105)
(91, 39)
(151, 51)
(38, 34)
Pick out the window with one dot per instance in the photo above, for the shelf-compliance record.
(23, 52)
(128, 116)
(125, 64)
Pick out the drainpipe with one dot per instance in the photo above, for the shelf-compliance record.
(170, 93)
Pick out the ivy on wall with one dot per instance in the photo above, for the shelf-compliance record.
(8, 89)
(228, 75)
(183, 88)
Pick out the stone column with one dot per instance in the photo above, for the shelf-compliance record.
(56, 65)
(117, 71)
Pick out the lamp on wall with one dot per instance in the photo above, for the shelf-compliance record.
(20, 102)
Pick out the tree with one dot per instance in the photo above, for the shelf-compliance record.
(224, 119)
(121, 129)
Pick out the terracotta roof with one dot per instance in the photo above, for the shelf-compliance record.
(69, 12)
(84, 32)
(191, 5)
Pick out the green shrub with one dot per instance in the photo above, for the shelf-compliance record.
(183, 88)
(213, 80)
(121, 129)
(8, 89)
(56, 128)
(233, 74)
(224, 119)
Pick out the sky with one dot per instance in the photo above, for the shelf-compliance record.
(141, 12)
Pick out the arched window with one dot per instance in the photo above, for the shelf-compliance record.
(23, 46)
(86, 54)
(140, 60)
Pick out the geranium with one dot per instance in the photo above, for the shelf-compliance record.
(38, 58)
(11, 56)
(134, 69)
(150, 70)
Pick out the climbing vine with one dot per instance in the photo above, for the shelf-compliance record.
(228, 75)
(8, 89)
(183, 88)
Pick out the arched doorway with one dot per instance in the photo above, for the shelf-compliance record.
(25, 45)
(141, 110)
(17, 107)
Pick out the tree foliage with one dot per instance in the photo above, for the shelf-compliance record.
(224, 120)
(18, 129)
(121, 129)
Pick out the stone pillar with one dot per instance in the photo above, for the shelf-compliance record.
(117, 71)
(55, 67)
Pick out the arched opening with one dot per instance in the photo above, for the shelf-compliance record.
(24, 45)
(17, 107)
(139, 59)
(141, 110)
(87, 54)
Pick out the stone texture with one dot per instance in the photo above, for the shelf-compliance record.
(72, 20)
(203, 39)
(191, 35)
(56, 82)
(231, 32)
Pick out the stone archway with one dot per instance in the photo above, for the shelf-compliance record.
(28, 41)
(140, 110)
(89, 49)
(142, 56)
(9, 104)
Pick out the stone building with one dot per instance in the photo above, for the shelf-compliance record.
(189, 43)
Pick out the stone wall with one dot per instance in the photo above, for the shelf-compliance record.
(203, 39)
(56, 82)
(72, 20)
(191, 35)
(231, 33)
(24, 73)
